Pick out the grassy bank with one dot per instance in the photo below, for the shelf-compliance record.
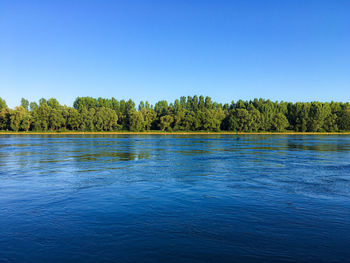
(169, 133)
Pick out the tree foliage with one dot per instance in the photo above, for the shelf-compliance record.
(197, 113)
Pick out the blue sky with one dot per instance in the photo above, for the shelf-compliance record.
(293, 50)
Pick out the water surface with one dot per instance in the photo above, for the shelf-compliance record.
(155, 198)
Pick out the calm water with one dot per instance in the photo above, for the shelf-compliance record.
(174, 198)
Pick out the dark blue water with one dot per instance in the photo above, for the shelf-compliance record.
(174, 198)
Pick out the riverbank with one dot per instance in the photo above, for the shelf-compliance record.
(169, 133)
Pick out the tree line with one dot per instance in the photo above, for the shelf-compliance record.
(185, 114)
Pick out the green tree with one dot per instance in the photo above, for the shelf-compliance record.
(56, 119)
(137, 122)
(212, 119)
(166, 122)
(53, 103)
(238, 120)
(41, 115)
(20, 119)
(149, 117)
(279, 122)
(318, 114)
(105, 119)
(74, 119)
(344, 119)
(5, 118)
(2, 104)
(25, 104)
(88, 119)
(186, 114)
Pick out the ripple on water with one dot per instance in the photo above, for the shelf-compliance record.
(175, 198)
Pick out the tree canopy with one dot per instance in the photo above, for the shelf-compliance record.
(197, 113)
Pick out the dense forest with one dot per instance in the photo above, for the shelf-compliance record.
(184, 114)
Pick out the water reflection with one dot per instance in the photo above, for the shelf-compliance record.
(80, 153)
(315, 165)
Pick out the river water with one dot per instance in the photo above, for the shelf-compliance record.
(155, 198)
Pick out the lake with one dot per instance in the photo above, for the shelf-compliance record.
(156, 198)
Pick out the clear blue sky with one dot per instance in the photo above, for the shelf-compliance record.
(295, 50)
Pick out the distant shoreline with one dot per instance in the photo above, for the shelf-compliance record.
(169, 133)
